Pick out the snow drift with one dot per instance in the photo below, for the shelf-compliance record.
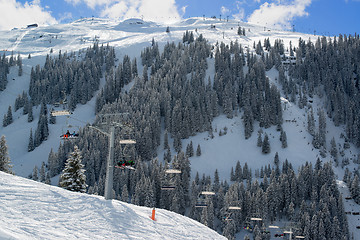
(33, 210)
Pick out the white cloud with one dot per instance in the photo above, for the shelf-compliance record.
(65, 16)
(91, 3)
(241, 11)
(154, 10)
(281, 14)
(224, 10)
(240, 15)
(14, 14)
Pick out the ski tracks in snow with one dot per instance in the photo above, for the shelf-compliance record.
(18, 40)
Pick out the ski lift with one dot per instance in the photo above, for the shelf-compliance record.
(201, 201)
(251, 222)
(171, 182)
(129, 164)
(127, 139)
(64, 111)
(127, 160)
(234, 208)
(56, 113)
(230, 212)
(69, 136)
(207, 193)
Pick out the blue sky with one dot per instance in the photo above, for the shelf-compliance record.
(326, 17)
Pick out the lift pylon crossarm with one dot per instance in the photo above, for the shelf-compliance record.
(98, 129)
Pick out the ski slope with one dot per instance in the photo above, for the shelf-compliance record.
(129, 37)
(91, 215)
(33, 210)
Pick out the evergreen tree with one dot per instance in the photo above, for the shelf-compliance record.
(311, 122)
(30, 112)
(73, 176)
(198, 150)
(283, 139)
(20, 65)
(322, 128)
(333, 150)
(125, 194)
(239, 31)
(42, 172)
(190, 149)
(8, 119)
(5, 165)
(47, 179)
(35, 174)
(276, 159)
(266, 145)
(259, 140)
(166, 140)
(31, 146)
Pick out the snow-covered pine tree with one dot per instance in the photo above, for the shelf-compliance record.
(166, 140)
(259, 140)
(30, 112)
(5, 165)
(190, 150)
(35, 174)
(8, 119)
(47, 179)
(73, 176)
(283, 139)
(42, 173)
(31, 146)
(198, 150)
(266, 145)
(125, 194)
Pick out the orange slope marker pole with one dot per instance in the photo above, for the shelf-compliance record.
(153, 214)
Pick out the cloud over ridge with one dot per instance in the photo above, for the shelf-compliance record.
(20, 15)
(279, 14)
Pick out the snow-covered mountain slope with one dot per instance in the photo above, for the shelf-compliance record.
(33, 210)
(128, 37)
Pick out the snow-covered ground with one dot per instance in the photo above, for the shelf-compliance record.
(129, 37)
(33, 210)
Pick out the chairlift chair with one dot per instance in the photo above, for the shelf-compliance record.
(200, 203)
(229, 212)
(234, 208)
(127, 140)
(207, 193)
(172, 171)
(171, 184)
(56, 113)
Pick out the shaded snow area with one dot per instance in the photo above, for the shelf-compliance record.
(32, 210)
